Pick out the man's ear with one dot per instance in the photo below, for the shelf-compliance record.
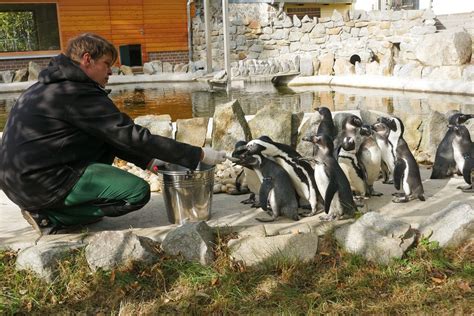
(86, 59)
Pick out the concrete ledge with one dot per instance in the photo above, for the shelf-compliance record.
(163, 77)
(389, 83)
(373, 82)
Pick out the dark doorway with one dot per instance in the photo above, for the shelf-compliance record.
(131, 55)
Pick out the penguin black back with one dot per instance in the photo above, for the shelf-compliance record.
(331, 180)
(276, 189)
(326, 126)
(463, 149)
(444, 165)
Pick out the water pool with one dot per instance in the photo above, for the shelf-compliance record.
(187, 100)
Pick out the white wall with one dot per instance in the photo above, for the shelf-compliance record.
(449, 6)
(439, 6)
(366, 5)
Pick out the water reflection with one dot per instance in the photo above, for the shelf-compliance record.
(186, 100)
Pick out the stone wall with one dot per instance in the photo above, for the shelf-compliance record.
(263, 40)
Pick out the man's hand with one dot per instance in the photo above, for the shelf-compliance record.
(212, 157)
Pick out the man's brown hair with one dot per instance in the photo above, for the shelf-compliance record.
(90, 43)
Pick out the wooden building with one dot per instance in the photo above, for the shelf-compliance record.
(142, 30)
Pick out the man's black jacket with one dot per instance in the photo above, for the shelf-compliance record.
(63, 123)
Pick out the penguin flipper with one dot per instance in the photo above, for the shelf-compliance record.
(264, 192)
(398, 173)
(467, 170)
(330, 192)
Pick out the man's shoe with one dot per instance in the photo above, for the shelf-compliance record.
(40, 223)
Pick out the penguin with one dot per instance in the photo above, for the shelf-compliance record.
(463, 152)
(396, 130)
(301, 173)
(326, 126)
(349, 128)
(444, 164)
(253, 181)
(331, 180)
(370, 158)
(406, 175)
(387, 154)
(351, 166)
(276, 189)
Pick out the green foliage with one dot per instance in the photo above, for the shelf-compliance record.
(17, 31)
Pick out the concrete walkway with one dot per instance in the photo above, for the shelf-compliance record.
(228, 212)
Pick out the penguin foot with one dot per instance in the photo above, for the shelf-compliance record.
(265, 220)
(328, 217)
(309, 214)
(372, 192)
(467, 188)
(239, 192)
(388, 181)
(402, 199)
(250, 200)
(398, 194)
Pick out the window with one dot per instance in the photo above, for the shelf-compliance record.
(300, 12)
(28, 27)
(404, 4)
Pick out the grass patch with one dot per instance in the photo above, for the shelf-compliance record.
(428, 280)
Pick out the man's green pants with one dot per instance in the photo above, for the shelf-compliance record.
(102, 190)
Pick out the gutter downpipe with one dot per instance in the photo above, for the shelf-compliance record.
(190, 30)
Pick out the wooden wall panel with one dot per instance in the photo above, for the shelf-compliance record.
(158, 25)
(165, 25)
(77, 17)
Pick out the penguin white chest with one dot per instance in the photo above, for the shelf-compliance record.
(405, 184)
(458, 157)
(386, 155)
(357, 184)
(371, 159)
(322, 180)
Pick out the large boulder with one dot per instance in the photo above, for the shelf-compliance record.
(309, 127)
(192, 131)
(451, 226)
(43, 259)
(342, 67)
(434, 129)
(193, 241)
(376, 237)
(272, 121)
(445, 49)
(157, 124)
(253, 250)
(327, 64)
(33, 71)
(153, 67)
(126, 70)
(21, 75)
(7, 76)
(229, 126)
(109, 249)
(306, 65)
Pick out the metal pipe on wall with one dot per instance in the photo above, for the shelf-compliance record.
(190, 30)
(225, 20)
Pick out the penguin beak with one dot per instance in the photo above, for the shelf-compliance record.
(311, 139)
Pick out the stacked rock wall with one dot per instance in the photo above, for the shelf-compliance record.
(264, 42)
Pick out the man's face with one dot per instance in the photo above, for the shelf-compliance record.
(98, 69)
